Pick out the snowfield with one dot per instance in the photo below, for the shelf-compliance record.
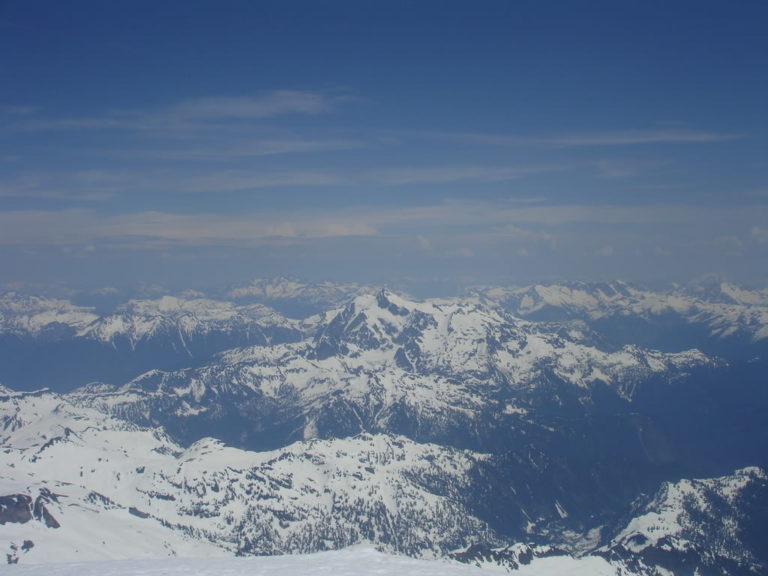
(356, 561)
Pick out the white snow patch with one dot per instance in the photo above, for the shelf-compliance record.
(356, 561)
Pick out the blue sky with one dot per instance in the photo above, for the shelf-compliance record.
(202, 144)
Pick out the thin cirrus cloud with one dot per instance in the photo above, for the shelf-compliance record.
(195, 112)
(468, 220)
(96, 185)
(225, 112)
(90, 186)
(195, 228)
(637, 137)
(276, 103)
(507, 217)
(594, 139)
(251, 148)
(53, 193)
(99, 185)
(234, 181)
(47, 227)
(445, 174)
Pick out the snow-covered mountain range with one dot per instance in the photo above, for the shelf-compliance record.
(433, 370)
(174, 318)
(188, 319)
(140, 335)
(514, 428)
(171, 332)
(725, 309)
(34, 316)
(711, 315)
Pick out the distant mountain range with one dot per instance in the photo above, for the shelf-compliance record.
(513, 424)
(80, 346)
(173, 332)
(718, 317)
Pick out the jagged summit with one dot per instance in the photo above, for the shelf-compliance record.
(370, 322)
(385, 320)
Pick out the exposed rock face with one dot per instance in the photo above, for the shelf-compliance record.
(16, 508)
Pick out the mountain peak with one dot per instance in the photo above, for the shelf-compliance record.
(368, 322)
(395, 304)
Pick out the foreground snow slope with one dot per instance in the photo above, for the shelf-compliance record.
(76, 484)
(350, 562)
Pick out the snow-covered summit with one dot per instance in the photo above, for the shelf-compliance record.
(26, 315)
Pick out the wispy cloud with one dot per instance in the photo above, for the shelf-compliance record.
(90, 186)
(206, 227)
(236, 180)
(249, 148)
(95, 185)
(101, 185)
(19, 110)
(444, 174)
(191, 113)
(595, 139)
(638, 137)
(515, 220)
(472, 230)
(42, 227)
(267, 105)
